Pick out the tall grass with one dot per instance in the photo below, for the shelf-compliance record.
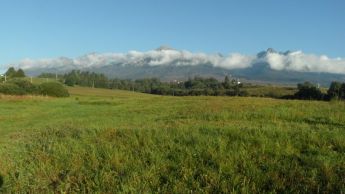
(113, 141)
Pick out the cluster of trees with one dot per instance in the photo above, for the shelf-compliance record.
(192, 87)
(12, 73)
(309, 91)
(86, 78)
(195, 86)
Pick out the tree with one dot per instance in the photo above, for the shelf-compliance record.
(11, 72)
(227, 84)
(308, 91)
(237, 89)
(71, 78)
(334, 90)
(20, 73)
(342, 91)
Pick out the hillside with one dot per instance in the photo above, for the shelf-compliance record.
(112, 141)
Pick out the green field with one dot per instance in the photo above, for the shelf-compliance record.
(109, 141)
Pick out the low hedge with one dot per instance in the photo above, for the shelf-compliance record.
(24, 87)
(11, 89)
(27, 86)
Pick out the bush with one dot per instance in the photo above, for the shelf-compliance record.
(53, 89)
(12, 89)
(25, 85)
(22, 87)
(308, 91)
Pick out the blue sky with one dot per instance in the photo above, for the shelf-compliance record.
(46, 29)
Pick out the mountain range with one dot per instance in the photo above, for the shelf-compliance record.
(168, 64)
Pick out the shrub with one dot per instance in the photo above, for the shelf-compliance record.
(12, 89)
(25, 85)
(53, 89)
(243, 93)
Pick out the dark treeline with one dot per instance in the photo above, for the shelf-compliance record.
(192, 87)
(309, 91)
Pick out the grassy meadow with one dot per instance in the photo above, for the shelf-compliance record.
(110, 141)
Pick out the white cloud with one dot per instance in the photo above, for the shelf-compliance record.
(292, 61)
(299, 61)
(136, 58)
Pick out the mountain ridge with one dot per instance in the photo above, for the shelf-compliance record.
(167, 63)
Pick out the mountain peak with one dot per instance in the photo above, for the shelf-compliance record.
(271, 50)
(263, 54)
(164, 48)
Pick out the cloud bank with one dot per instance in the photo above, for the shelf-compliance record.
(291, 61)
(299, 61)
